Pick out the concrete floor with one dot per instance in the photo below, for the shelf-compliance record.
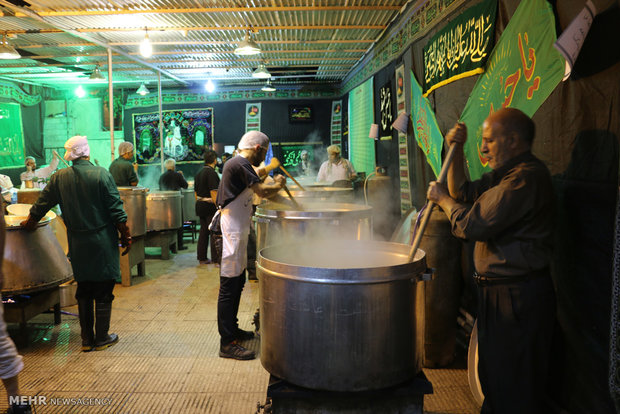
(167, 358)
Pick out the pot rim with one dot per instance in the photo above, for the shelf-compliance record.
(345, 211)
(346, 276)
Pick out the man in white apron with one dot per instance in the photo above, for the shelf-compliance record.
(234, 198)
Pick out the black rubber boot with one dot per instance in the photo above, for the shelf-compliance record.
(103, 340)
(87, 320)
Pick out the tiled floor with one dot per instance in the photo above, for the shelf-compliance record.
(167, 358)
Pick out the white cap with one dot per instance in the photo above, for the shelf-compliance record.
(253, 138)
(76, 147)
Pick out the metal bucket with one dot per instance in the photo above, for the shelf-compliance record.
(279, 223)
(189, 205)
(134, 203)
(33, 260)
(339, 317)
(163, 210)
(28, 195)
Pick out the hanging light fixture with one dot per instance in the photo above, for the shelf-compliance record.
(146, 48)
(209, 86)
(268, 87)
(261, 72)
(247, 46)
(7, 51)
(96, 75)
(142, 90)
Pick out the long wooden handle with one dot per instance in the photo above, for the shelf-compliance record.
(61, 158)
(291, 177)
(430, 205)
(292, 198)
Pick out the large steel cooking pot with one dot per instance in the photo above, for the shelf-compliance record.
(134, 203)
(189, 205)
(316, 193)
(163, 210)
(339, 317)
(280, 223)
(32, 260)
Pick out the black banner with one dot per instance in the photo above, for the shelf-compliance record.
(462, 48)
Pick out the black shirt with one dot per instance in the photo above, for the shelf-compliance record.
(172, 181)
(511, 218)
(204, 182)
(123, 172)
(238, 175)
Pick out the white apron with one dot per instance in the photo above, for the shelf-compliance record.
(235, 223)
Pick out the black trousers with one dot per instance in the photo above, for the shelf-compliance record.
(100, 292)
(251, 254)
(203, 240)
(515, 326)
(228, 307)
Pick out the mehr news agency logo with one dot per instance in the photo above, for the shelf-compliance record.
(43, 400)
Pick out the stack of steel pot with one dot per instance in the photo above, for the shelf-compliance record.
(33, 260)
(339, 317)
(164, 210)
(134, 203)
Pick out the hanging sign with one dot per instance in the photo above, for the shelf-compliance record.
(336, 129)
(461, 49)
(387, 117)
(403, 145)
(252, 117)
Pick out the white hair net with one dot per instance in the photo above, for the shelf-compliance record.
(124, 147)
(76, 147)
(250, 139)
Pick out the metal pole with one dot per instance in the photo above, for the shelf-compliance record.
(161, 122)
(111, 103)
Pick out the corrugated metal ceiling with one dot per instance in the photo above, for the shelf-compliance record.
(303, 42)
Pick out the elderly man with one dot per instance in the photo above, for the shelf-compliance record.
(122, 168)
(336, 168)
(39, 177)
(94, 216)
(234, 198)
(508, 213)
(171, 180)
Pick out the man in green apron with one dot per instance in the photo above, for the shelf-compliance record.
(94, 215)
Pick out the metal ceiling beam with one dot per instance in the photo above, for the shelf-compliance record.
(92, 39)
(200, 28)
(199, 53)
(286, 9)
(204, 42)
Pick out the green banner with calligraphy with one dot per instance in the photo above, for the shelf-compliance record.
(462, 48)
(522, 71)
(10, 91)
(425, 127)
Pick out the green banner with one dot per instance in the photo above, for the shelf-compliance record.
(11, 135)
(11, 91)
(425, 127)
(461, 49)
(522, 71)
